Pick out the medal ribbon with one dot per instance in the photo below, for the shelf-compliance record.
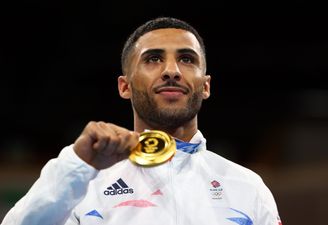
(186, 146)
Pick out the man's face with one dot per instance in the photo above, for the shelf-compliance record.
(166, 77)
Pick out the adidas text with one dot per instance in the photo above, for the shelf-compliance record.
(119, 191)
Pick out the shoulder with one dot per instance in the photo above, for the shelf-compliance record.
(230, 169)
(238, 177)
(242, 178)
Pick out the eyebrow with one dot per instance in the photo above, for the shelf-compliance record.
(161, 51)
(187, 51)
(155, 51)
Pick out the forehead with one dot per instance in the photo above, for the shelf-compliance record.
(168, 39)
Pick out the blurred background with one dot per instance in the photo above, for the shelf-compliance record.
(269, 105)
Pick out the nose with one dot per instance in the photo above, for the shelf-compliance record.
(171, 71)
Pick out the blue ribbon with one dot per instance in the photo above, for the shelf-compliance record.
(186, 146)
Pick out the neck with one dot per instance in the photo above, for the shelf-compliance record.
(184, 132)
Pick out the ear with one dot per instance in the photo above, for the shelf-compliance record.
(124, 87)
(207, 87)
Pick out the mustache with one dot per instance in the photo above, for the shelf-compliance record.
(171, 83)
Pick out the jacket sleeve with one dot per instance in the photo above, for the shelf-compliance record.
(266, 208)
(61, 186)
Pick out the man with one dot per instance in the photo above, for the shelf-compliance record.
(94, 182)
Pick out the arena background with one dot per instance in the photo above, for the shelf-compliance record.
(269, 105)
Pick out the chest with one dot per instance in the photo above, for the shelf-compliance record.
(167, 197)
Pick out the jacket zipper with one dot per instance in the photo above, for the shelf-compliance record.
(171, 175)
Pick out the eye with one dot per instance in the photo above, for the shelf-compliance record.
(186, 59)
(153, 59)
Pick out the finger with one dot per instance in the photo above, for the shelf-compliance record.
(94, 130)
(129, 139)
(100, 144)
(133, 140)
(112, 136)
(101, 135)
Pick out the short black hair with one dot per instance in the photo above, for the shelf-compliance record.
(155, 24)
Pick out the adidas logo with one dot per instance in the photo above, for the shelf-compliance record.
(118, 188)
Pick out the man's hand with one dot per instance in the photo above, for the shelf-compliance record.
(103, 144)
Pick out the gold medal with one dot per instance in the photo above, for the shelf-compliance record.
(155, 147)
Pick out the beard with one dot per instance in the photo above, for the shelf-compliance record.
(165, 117)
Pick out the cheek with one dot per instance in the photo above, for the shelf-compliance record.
(150, 70)
(140, 83)
(199, 85)
(145, 76)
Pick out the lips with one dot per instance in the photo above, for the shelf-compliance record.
(173, 89)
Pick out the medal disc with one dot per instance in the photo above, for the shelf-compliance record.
(155, 147)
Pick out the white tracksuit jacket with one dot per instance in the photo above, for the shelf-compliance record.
(192, 189)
